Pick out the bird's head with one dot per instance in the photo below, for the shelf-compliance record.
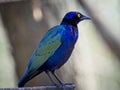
(73, 18)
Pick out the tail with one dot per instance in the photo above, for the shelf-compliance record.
(22, 81)
(26, 77)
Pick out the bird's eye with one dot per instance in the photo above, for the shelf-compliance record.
(78, 15)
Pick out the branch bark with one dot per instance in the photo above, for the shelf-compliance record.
(66, 87)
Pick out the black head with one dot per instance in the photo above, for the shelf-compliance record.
(73, 18)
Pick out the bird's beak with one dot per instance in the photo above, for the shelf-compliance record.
(85, 17)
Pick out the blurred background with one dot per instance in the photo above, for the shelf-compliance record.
(95, 61)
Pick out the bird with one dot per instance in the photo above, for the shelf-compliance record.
(54, 50)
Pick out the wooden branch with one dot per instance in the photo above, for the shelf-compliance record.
(66, 87)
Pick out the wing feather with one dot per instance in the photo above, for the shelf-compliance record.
(46, 48)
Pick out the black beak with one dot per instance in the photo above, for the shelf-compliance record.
(84, 17)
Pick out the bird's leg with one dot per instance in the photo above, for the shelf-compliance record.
(52, 80)
(59, 80)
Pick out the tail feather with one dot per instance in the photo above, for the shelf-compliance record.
(26, 77)
(23, 80)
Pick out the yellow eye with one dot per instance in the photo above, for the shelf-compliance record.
(78, 15)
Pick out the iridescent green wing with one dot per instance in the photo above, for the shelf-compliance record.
(48, 45)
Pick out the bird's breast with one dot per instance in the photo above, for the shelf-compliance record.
(70, 36)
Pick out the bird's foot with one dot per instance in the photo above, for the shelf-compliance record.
(69, 84)
(55, 84)
(60, 85)
(64, 84)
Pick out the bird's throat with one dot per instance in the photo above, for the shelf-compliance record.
(68, 22)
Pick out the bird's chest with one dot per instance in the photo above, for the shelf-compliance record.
(68, 41)
(70, 36)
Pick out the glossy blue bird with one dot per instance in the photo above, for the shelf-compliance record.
(54, 49)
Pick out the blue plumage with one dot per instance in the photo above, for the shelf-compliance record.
(54, 49)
